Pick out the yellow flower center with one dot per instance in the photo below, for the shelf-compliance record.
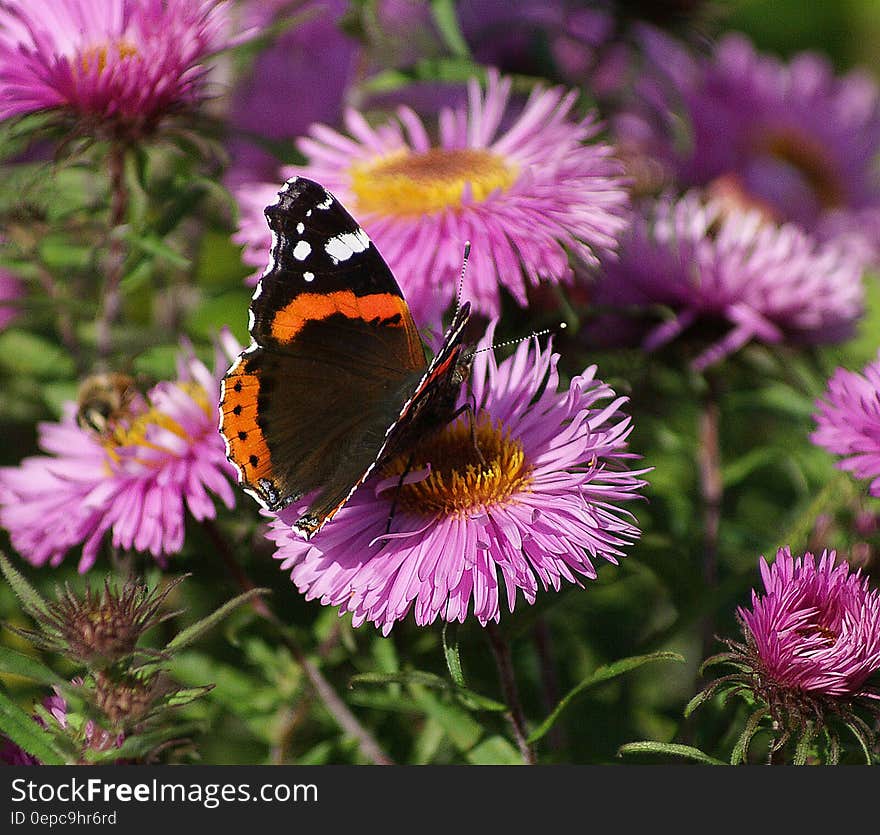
(133, 432)
(405, 183)
(96, 56)
(809, 161)
(459, 482)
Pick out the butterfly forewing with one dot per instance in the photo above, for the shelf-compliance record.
(307, 406)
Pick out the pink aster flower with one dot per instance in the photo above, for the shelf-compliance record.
(118, 63)
(817, 626)
(134, 473)
(723, 267)
(848, 422)
(539, 509)
(527, 195)
(798, 139)
(812, 645)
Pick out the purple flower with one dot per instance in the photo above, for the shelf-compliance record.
(518, 36)
(848, 422)
(526, 197)
(314, 55)
(136, 479)
(798, 139)
(119, 64)
(12, 754)
(708, 262)
(10, 291)
(91, 735)
(816, 628)
(539, 509)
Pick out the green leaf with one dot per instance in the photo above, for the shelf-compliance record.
(671, 749)
(451, 653)
(17, 663)
(158, 362)
(804, 746)
(701, 697)
(427, 743)
(469, 698)
(446, 19)
(860, 738)
(407, 677)
(741, 749)
(463, 730)
(494, 750)
(21, 728)
(740, 469)
(602, 674)
(188, 694)
(195, 631)
(30, 599)
(29, 355)
(227, 309)
(444, 70)
(155, 247)
(60, 255)
(140, 745)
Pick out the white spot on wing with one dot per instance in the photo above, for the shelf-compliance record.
(300, 228)
(326, 203)
(271, 265)
(343, 246)
(302, 250)
(309, 276)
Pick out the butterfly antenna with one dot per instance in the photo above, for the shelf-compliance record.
(464, 263)
(560, 327)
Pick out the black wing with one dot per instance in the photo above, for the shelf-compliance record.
(307, 406)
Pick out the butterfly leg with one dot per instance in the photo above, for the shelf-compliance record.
(470, 409)
(397, 490)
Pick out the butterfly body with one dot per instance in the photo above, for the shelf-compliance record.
(336, 380)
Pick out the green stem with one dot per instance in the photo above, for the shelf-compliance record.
(711, 495)
(346, 720)
(115, 265)
(501, 651)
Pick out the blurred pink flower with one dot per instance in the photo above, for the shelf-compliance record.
(10, 291)
(119, 64)
(798, 139)
(538, 511)
(314, 54)
(526, 197)
(816, 628)
(720, 266)
(133, 479)
(848, 422)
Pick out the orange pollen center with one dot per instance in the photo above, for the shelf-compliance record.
(134, 430)
(96, 56)
(459, 482)
(406, 183)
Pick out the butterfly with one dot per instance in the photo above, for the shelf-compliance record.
(335, 381)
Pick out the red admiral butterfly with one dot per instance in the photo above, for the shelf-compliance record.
(335, 381)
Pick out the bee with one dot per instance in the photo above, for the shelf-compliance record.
(102, 400)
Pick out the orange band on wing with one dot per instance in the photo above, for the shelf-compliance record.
(247, 447)
(290, 320)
